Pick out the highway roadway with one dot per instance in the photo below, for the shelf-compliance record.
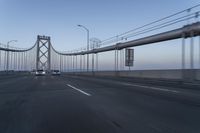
(78, 104)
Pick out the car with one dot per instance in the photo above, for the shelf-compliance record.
(55, 72)
(40, 72)
(33, 72)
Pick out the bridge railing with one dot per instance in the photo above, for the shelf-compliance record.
(17, 59)
(76, 61)
(183, 28)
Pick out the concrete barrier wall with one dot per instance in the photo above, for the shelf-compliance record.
(163, 74)
(197, 76)
(173, 74)
(12, 72)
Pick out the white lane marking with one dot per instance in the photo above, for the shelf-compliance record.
(153, 88)
(79, 90)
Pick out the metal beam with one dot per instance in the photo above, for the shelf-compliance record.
(165, 36)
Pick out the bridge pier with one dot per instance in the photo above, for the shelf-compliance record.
(188, 75)
(199, 52)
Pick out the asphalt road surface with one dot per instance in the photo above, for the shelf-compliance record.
(74, 104)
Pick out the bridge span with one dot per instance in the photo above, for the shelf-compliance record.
(86, 98)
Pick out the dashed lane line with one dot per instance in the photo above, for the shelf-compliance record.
(81, 91)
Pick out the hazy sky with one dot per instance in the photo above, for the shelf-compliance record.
(25, 19)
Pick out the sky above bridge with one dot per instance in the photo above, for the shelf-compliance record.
(23, 20)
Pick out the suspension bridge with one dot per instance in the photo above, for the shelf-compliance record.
(87, 97)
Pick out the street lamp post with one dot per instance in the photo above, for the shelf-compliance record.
(7, 64)
(87, 45)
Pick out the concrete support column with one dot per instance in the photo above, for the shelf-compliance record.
(92, 62)
(183, 51)
(7, 59)
(97, 62)
(192, 51)
(199, 52)
(80, 62)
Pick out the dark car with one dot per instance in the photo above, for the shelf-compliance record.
(55, 72)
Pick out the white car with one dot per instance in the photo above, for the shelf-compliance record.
(40, 73)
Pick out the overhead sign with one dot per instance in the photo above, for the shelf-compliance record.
(129, 57)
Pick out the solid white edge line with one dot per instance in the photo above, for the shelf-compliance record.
(79, 90)
(153, 88)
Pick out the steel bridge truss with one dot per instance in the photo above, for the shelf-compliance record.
(43, 53)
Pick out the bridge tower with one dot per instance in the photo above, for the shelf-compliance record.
(43, 59)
